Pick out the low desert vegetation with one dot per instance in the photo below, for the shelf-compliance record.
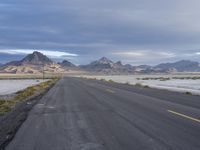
(7, 105)
(188, 93)
(108, 81)
(142, 86)
(187, 78)
(127, 83)
(111, 81)
(94, 78)
(103, 80)
(138, 84)
(146, 86)
(159, 78)
(169, 78)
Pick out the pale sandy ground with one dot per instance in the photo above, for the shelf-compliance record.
(12, 86)
(179, 85)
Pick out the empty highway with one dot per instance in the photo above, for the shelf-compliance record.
(81, 114)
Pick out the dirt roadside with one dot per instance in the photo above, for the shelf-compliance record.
(11, 121)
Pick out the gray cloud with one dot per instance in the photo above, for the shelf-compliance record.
(93, 28)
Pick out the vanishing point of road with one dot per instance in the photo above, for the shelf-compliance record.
(81, 114)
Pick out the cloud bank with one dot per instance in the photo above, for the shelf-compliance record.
(50, 53)
(93, 28)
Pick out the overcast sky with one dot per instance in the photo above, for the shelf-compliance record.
(133, 31)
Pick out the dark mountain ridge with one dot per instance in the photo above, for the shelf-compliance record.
(36, 58)
(179, 66)
(102, 66)
(66, 63)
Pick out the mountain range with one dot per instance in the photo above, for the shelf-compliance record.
(106, 66)
(180, 66)
(37, 62)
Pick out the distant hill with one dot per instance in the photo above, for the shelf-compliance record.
(66, 63)
(179, 66)
(32, 64)
(36, 58)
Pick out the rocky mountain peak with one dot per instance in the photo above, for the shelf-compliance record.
(66, 63)
(104, 60)
(36, 58)
(119, 63)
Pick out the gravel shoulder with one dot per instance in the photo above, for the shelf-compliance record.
(12, 120)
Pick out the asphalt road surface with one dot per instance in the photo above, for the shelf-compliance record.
(80, 114)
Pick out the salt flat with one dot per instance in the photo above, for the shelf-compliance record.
(12, 86)
(179, 85)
